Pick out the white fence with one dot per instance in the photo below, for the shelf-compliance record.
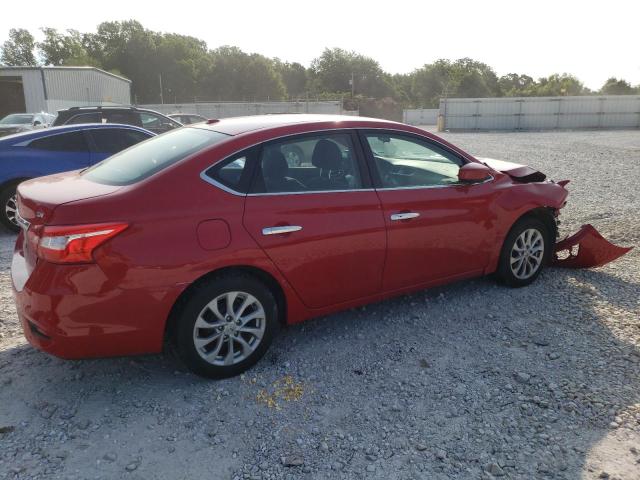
(541, 113)
(420, 116)
(239, 109)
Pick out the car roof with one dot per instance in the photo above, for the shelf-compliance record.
(45, 132)
(239, 125)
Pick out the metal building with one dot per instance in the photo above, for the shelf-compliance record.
(48, 89)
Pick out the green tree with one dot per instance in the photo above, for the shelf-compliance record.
(556, 85)
(294, 77)
(335, 69)
(64, 49)
(235, 75)
(130, 49)
(613, 86)
(514, 85)
(18, 50)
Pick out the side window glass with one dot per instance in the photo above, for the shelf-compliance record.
(308, 164)
(121, 117)
(85, 118)
(150, 121)
(404, 161)
(113, 140)
(65, 142)
(233, 172)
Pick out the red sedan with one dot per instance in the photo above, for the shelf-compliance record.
(208, 238)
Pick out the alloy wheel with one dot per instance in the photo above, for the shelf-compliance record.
(11, 209)
(527, 254)
(229, 328)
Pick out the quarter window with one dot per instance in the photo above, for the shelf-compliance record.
(308, 164)
(405, 161)
(233, 172)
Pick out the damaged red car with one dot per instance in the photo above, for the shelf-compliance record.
(211, 236)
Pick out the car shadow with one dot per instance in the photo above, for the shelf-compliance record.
(454, 382)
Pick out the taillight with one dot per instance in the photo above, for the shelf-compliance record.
(75, 244)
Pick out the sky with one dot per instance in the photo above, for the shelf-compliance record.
(592, 40)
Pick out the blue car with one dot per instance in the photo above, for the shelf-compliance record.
(54, 150)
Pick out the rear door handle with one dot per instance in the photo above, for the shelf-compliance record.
(404, 216)
(281, 230)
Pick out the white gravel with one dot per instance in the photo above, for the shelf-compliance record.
(466, 381)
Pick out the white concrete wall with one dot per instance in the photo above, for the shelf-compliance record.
(541, 113)
(420, 116)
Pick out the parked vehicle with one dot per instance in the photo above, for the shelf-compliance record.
(59, 149)
(187, 118)
(206, 238)
(23, 122)
(139, 117)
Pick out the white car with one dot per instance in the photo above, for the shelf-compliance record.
(22, 122)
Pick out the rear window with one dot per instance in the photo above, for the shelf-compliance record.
(147, 158)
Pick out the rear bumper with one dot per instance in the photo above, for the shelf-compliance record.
(75, 311)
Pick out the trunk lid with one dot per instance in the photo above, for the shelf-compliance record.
(38, 198)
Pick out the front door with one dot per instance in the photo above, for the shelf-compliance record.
(318, 219)
(437, 228)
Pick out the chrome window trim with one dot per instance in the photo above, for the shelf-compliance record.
(224, 188)
(26, 143)
(418, 187)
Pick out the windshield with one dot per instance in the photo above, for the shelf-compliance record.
(16, 119)
(151, 156)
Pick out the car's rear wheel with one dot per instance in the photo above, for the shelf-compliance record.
(525, 252)
(9, 208)
(226, 326)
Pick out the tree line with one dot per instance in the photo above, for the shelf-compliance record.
(189, 71)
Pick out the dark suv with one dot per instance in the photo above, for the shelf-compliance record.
(147, 119)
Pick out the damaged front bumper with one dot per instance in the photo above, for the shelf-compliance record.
(586, 249)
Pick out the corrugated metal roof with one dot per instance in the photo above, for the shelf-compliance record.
(68, 68)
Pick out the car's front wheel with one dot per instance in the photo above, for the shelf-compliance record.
(524, 253)
(226, 326)
(9, 208)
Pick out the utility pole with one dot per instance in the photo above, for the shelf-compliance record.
(161, 97)
(353, 85)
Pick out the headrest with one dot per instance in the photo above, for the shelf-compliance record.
(327, 155)
(274, 165)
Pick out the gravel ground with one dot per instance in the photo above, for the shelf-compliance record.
(466, 381)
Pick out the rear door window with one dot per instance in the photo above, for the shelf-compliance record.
(308, 163)
(64, 142)
(113, 140)
(147, 158)
(85, 118)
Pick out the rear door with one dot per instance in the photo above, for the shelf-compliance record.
(321, 223)
(59, 153)
(438, 229)
(107, 141)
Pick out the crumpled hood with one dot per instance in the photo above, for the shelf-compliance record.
(517, 171)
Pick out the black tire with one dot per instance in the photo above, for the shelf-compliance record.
(505, 273)
(194, 307)
(7, 199)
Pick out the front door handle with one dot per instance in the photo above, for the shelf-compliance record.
(404, 216)
(281, 230)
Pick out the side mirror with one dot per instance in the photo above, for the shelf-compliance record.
(474, 173)
(36, 123)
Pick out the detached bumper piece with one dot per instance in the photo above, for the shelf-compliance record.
(586, 249)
